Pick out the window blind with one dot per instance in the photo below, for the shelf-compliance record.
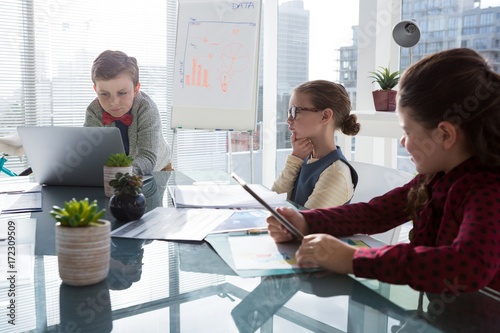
(45, 61)
(48, 48)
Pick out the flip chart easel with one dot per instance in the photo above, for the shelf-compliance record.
(229, 145)
(216, 65)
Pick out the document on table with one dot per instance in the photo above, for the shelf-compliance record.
(244, 220)
(20, 198)
(251, 255)
(166, 223)
(20, 202)
(262, 252)
(20, 187)
(17, 251)
(223, 196)
(361, 241)
(258, 255)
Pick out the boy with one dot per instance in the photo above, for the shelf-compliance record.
(120, 103)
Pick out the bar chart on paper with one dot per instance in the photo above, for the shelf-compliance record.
(216, 65)
(234, 60)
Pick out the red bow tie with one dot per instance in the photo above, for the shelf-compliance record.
(126, 119)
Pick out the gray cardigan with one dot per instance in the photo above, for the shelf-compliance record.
(148, 147)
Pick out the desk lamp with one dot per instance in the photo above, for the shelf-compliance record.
(406, 34)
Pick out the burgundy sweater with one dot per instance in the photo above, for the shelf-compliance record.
(456, 243)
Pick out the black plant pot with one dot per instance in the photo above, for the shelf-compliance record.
(126, 207)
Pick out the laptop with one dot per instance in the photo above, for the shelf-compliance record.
(71, 156)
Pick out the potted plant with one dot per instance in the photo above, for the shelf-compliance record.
(83, 242)
(128, 202)
(119, 162)
(385, 97)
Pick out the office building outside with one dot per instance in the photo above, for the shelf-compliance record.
(293, 69)
(443, 25)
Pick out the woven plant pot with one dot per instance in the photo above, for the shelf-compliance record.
(83, 253)
(109, 173)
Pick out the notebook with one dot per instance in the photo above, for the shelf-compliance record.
(72, 156)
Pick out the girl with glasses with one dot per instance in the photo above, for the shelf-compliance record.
(449, 108)
(317, 174)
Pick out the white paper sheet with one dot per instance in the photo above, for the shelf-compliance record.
(261, 252)
(174, 224)
(19, 187)
(223, 196)
(20, 202)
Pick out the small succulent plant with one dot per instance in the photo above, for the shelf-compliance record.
(130, 184)
(77, 213)
(385, 79)
(119, 160)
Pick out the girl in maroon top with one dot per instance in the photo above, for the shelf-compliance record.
(449, 109)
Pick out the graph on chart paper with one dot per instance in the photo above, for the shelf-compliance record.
(216, 54)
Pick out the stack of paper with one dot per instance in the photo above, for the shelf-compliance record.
(20, 198)
(174, 224)
(223, 196)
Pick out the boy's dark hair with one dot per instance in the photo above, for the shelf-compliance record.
(109, 64)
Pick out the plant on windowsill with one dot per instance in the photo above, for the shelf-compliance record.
(128, 202)
(78, 224)
(385, 97)
(119, 162)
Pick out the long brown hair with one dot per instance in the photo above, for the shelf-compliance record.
(457, 86)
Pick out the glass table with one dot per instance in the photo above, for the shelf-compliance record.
(160, 286)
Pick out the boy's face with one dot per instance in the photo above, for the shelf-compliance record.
(116, 96)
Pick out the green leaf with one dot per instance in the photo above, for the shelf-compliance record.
(77, 213)
(385, 78)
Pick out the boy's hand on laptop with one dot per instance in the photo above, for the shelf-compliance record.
(278, 232)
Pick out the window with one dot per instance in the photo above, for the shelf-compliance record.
(469, 20)
(453, 22)
(48, 48)
(480, 43)
(486, 30)
(486, 18)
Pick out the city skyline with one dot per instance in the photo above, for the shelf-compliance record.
(323, 62)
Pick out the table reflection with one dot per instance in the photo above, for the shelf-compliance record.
(160, 286)
(125, 265)
(264, 301)
(85, 309)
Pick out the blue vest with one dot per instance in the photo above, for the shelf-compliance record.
(124, 132)
(309, 175)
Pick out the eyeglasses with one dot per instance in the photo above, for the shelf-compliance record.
(293, 110)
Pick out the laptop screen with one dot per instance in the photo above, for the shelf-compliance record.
(72, 156)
